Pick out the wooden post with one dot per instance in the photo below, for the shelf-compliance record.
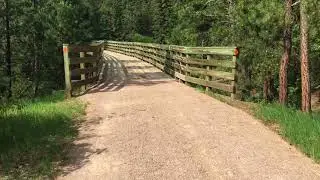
(129, 50)
(94, 74)
(174, 68)
(152, 59)
(83, 76)
(234, 71)
(134, 51)
(166, 59)
(67, 71)
(208, 78)
(187, 70)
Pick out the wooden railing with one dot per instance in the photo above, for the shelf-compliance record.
(213, 68)
(82, 65)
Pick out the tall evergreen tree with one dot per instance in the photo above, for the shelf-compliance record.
(287, 39)
(8, 45)
(305, 74)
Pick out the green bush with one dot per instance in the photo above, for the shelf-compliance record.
(140, 38)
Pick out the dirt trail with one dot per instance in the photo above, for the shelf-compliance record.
(141, 124)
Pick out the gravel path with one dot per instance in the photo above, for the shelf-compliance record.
(141, 124)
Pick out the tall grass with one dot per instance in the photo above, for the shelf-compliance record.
(34, 135)
(300, 129)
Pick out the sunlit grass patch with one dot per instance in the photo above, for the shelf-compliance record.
(300, 129)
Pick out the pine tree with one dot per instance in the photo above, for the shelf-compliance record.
(8, 45)
(287, 39)
(305, 76)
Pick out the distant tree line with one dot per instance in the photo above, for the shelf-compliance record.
(279, 40)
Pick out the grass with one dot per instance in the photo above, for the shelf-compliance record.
(300, 129)
(35, 134)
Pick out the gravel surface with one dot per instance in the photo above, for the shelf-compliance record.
(142, 124)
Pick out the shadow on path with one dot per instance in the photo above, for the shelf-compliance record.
(117, 73)
(82, 150)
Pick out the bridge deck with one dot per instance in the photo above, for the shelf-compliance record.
(141, 124)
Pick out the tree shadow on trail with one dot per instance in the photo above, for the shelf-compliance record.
(118, 73)
(80, 152)
(79, 156)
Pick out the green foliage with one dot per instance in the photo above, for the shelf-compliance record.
(140, 38)
(37, 31)
(300, 129)
(39, 28)
(162, 20)
(257, 28)
(34, 135)
(314, 15)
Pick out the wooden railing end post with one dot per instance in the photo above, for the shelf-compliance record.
(68, 87)
(235, 93)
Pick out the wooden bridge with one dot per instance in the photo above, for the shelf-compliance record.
(213, 68)
(143, 124)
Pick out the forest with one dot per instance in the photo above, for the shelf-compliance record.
(278, 67)
(268, 34)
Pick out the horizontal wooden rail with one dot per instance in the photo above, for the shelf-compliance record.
(211, 67)
(77, 72)
(82, 66)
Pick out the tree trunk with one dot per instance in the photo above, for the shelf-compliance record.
(268, 88)
(273, 90)
(296, 66)
(305, 76)
(283, 74)
(35, 63)
(8, 48)
(35, 67)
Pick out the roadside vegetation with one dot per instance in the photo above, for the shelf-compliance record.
(300, 129)
(35, 134)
